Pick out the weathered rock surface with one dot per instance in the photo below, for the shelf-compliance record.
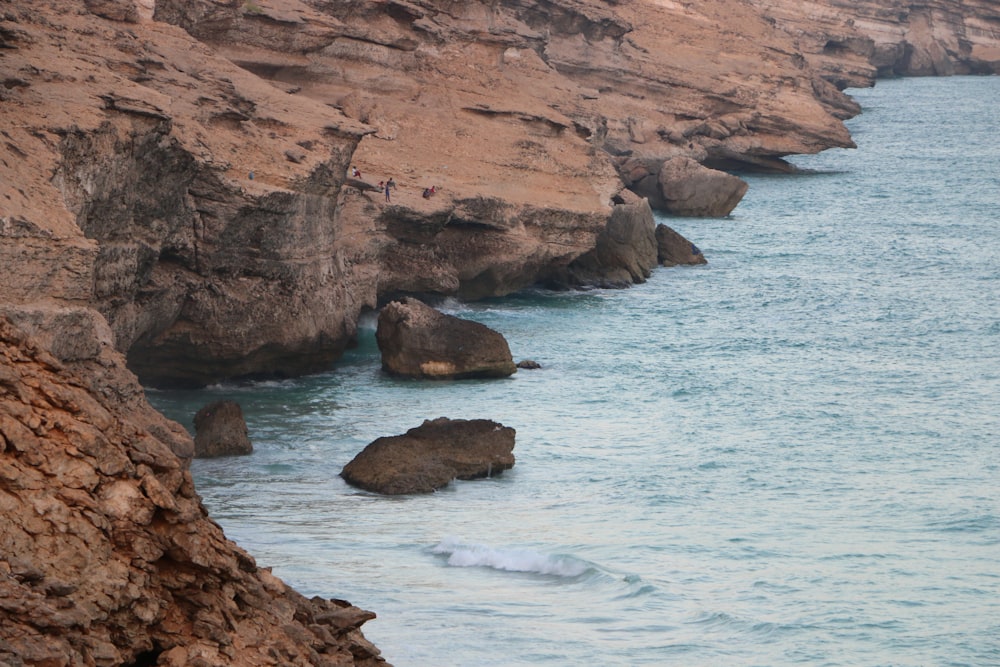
(107, 556)
(690, 189)
(125, 178)
(625, 251)
(81, 341)
(431, 455)
(851, 42)
(421, 342)
(674, 249)
(180, 167)
(220, 430)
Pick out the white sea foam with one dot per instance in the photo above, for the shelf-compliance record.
(461, 554)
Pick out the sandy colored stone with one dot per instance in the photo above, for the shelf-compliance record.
(183, 166)
(691, 189)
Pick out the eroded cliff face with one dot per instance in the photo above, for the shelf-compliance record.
(107, 556)
(192, 184)
(195, 202)
(853, 42)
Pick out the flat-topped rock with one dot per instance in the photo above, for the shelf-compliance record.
(431, 455)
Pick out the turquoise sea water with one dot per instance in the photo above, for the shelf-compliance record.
(789, 456)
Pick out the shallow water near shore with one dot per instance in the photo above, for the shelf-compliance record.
(789, 456)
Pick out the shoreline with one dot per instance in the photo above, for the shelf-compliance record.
(160, 201)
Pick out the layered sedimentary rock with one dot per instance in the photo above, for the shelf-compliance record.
(158, 170)
(190, 180)
(852, 42)
(107, 556)
(174, 186)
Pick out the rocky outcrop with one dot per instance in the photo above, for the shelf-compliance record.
(673, 248)
(690, 189)
(80, 340)
(173, 185)
(420, 342)
(625, 251)
(127, 187)
(431, 455)
(682, 186)
(107, 556)
(220, 430)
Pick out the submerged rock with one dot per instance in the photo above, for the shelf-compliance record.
(220, 430)
(429, 456)
(421, 342)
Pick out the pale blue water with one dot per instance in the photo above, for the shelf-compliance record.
(790, 456)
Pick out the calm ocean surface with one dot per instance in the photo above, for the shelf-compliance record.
(790, 456)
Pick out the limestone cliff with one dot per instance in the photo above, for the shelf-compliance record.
(852, 42)
(207, 214)
(190, 182)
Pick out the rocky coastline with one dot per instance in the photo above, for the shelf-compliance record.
(178, 206)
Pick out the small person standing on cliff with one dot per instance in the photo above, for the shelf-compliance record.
(388, 185)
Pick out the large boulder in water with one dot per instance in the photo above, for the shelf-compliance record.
(421, 342)
(625, 250)
(691, 189)
(674, 249)
(429, 456)
(221, 431)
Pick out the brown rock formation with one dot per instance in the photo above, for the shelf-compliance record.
(431, 455)
(674, 249)
(219, 430)
(81, 341)
(128, 150)
(690, 189)
(107, 556)
(625, 251)
(852, 42)
(179, 167)
(420, 342)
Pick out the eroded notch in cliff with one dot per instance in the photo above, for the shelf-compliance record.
(537, 125)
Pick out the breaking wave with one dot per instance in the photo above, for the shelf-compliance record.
(460, 554)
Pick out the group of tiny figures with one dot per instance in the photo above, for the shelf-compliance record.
(388, 186)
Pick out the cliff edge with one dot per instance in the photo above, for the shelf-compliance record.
(107, 556)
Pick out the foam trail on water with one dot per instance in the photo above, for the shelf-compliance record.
(510, 560)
